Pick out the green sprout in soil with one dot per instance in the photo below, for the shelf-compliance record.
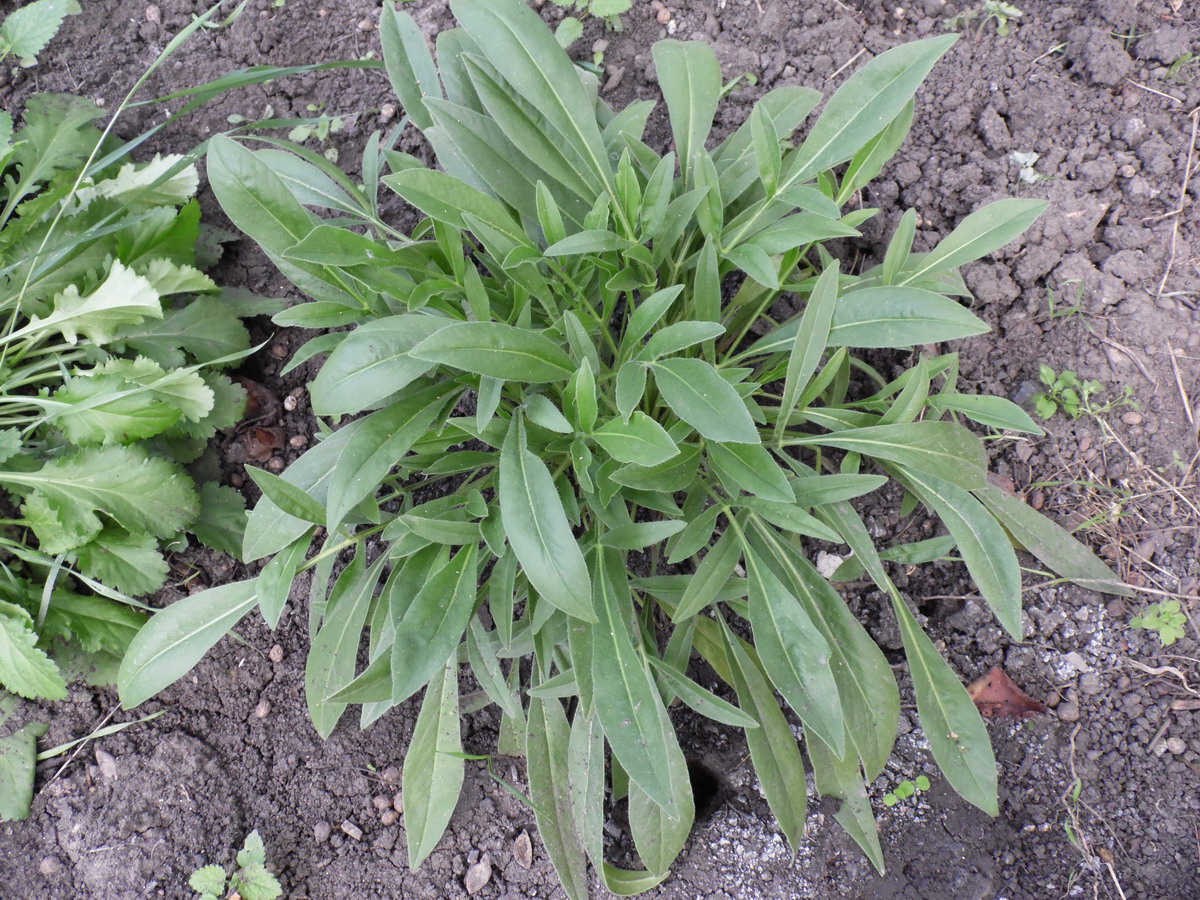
(1166, 618)
(1003, 14)
(249, 881)
(906, 789)
(1067, 392)
(608, 10)
(1183, 70)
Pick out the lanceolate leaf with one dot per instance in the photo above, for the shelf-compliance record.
(795, 655)
(773, 749)
(433, 626)
(331, 658)
(372, 364)
(627, 700)
(705, 400)
(538, 530)
(1051, 543)
(979, 234)
(640, 440)
(497, 350)
(546, 752)
(812, 337)
(984, 546)
(939, 448)
(172, 642)
(433, 766)
(690, 77)
(956, 733)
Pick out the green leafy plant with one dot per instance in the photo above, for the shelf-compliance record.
(249, 881)
(1183, 70)
(904, 790)
(593, 412)
(997, 11)
(1165, 618)
(109, 355)
(1076, 397)
(608, 10)
(26, 31)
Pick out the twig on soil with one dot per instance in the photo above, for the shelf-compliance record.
(1106, 857)
(1153, 91)
(79, 749)
(1163, 670)
(1187, 177)
(1133, 356)
(1183, 394)
(844, 65)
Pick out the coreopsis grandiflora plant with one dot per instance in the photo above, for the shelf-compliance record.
(569, 378)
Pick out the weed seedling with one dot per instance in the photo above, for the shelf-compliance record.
(249, 881)
(1183, 70)
(996, 11)
(1075, 397)
(906, 789)
(1165, 617)
(608, 10)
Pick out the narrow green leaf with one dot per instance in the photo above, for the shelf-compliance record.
(176, 638)
(631, 387)
(982, 232)
(690, 77)
(330, 664)
(794, 654)
(639, 535)
(812, 337)
(292, 500)
(433, 770)
(773, 750)
(538, 530)
(706, 401)
(1051, 543)
(701, 700)
(710, 578)
(410, 65)
(433, 625)
(984, 546)
(497, 350)
(372, 363)
(640, 440)
(547, 741)
(938, 448)
(750, 468)
(995, 412)
(626, 699)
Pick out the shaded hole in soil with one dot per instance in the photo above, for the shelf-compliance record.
(708, 789)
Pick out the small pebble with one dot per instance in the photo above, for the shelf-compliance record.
(663, 16)
(154, 14)
(279, 351)
(276, 654)
(289, 403)
(398, 803)
(1068, 712)
(478, 875)
(1176, 745)
(366, 25)
(390, 817)
(1132, 418)
(275, 464)
(523, 850)
(106, 764)
(351, 830)
(321, 832)
(391, 775)
(263, 709)
(298, 441)
(49, 865)
(381, 803)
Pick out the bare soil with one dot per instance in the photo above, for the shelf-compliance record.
(1087, 86)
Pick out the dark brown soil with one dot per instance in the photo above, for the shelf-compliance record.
(1087, 86)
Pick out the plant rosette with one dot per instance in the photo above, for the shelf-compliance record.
(593, 412)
